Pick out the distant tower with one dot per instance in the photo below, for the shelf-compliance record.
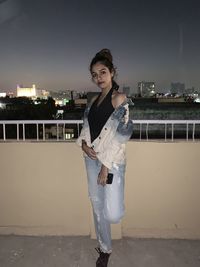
(146, 89)
(26, 91)
(34, 90)
(177, 88)
(126, 90)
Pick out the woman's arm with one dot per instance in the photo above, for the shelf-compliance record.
(103, 175)
(88, 150)
(118, 99)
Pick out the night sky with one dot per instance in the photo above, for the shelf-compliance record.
(51, 43)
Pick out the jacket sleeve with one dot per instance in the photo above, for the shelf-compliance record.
(81, 137)
(106, 157)
(84, 131)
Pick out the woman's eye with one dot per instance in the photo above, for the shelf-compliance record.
(103, 72)
(94, 76)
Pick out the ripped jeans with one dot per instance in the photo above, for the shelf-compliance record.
(107, 201)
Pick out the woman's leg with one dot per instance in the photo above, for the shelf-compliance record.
(114, 195)
(97, 195)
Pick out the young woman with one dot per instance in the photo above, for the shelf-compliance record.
(105, 131)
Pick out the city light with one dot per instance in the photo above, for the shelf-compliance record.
(197, 100)
(26, 91)
(2, 94)
(2, 106)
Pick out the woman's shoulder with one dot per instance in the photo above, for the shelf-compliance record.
(118, 98)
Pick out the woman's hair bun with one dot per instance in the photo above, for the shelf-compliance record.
(104, 57)
(106, 54)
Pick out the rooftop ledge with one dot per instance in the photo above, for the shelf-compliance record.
(44, 190)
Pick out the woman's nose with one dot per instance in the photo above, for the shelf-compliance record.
(99, 77)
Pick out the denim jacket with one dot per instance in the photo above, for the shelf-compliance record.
(110, 144)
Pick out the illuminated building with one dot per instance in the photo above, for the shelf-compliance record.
(61, 102)
(25, 91)
(126, 90)
(41, 93)
(2, 94)
(177, 88)
(146, 89)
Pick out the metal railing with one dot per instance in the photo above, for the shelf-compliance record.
(40, 129)
(168, 133)
(62, 130)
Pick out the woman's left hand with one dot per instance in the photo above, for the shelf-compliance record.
(102, 177)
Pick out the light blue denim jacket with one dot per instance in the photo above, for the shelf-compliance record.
(110, 144)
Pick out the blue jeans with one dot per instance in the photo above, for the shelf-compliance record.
(107, 201)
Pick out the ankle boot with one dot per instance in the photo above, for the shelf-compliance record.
(102, 260)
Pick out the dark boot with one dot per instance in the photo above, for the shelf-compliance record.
(102, 260)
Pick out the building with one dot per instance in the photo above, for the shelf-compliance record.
(177, 88)
(61, 102)
(2, 94)
(171, 100)
(26, 91)
(146, 89)
(80, 103)
(32, 92)
(62, 97)
(126, 90)
(41, 93)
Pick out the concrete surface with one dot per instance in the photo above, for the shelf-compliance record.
(162, 190)
(32, 251)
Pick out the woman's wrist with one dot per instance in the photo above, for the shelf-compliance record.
(83, 144)
(103, 167)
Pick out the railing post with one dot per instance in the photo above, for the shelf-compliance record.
(4, 132)
(78, 125)
(17, 131)
(193, 132)
(43, 131)
(147, 137)
(23, 132)
(57, 132)
(63, 131)
(37, 129)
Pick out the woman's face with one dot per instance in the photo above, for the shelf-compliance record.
(102, 76)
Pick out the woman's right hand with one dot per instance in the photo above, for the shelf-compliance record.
(89, 151)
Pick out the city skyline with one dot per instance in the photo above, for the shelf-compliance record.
(51, 44)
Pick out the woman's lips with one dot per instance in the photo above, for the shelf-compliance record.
(99, 83)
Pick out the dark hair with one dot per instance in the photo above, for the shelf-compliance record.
(104, 57)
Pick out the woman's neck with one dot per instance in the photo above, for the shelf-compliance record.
(105, 91)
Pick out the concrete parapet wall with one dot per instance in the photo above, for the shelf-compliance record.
(43, 190)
